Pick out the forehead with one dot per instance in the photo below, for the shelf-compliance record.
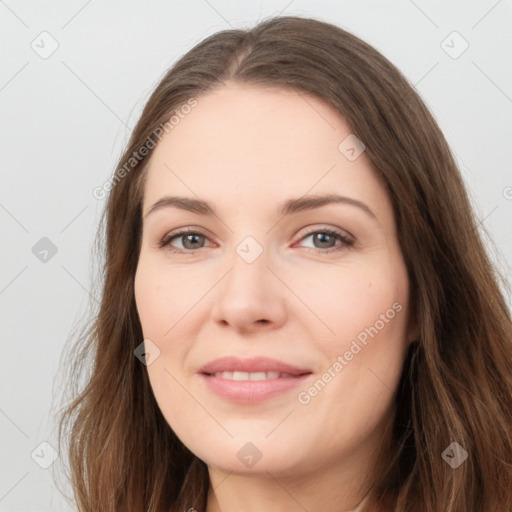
(245, 145)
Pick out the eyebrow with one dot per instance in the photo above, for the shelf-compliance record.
(288, 207)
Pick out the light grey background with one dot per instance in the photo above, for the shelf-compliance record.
(66, 118)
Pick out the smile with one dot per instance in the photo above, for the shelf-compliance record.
(252, 375)
(249, 381)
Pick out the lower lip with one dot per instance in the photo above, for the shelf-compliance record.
(251, 391)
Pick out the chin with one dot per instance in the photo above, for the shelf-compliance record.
(242, 456)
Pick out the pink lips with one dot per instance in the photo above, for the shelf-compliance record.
(255, 364)
(251, 391)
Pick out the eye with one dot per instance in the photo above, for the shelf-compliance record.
(324, 239)
(189, 238)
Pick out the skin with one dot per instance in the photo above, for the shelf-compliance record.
(246, 150)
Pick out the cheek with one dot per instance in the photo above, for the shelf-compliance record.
(367, 308)
(162, 298)
(350, 299)
(165, 301)
(160, 308)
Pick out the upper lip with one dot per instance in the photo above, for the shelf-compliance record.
(254, 364)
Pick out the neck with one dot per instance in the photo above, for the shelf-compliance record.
(230, 493)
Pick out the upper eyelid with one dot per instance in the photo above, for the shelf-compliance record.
(309, 230)
(180, 232)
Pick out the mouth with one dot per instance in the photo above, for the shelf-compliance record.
(245, 376)
(250, 381)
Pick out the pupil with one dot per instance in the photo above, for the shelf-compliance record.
(188, 238)
(321, 237)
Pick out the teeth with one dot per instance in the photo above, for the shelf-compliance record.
(251, 376)
(257, 376)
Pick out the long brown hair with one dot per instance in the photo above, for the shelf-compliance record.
(457, 381)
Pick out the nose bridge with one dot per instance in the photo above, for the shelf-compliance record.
(249, 273)
(250, 250)
(250, 292)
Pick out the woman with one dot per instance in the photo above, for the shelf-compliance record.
(298, 312)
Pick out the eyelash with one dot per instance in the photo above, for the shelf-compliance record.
(346, 241)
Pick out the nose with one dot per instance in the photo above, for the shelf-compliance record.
(251, 297)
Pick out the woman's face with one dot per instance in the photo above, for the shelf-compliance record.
(307, 298)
